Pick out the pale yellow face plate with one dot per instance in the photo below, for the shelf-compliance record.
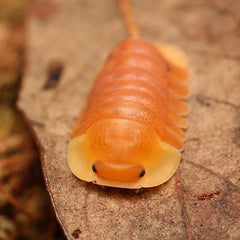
(125, 141)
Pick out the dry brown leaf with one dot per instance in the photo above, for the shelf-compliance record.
(202, 200)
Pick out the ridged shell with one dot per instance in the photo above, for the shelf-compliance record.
(137, 83)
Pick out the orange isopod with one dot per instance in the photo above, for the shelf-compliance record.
(130, 133)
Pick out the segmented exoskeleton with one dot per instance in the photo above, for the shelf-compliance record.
(130, 132)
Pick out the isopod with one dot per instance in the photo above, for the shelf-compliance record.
(130, 132)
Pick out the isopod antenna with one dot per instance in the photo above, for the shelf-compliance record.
(129, 18)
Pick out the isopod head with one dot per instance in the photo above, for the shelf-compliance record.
(122, 153)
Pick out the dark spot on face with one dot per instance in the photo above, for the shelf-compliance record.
(142, 173)
(76, 233)
(94, 168)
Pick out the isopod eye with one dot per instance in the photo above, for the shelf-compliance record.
(142, 173)
(94, 168)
